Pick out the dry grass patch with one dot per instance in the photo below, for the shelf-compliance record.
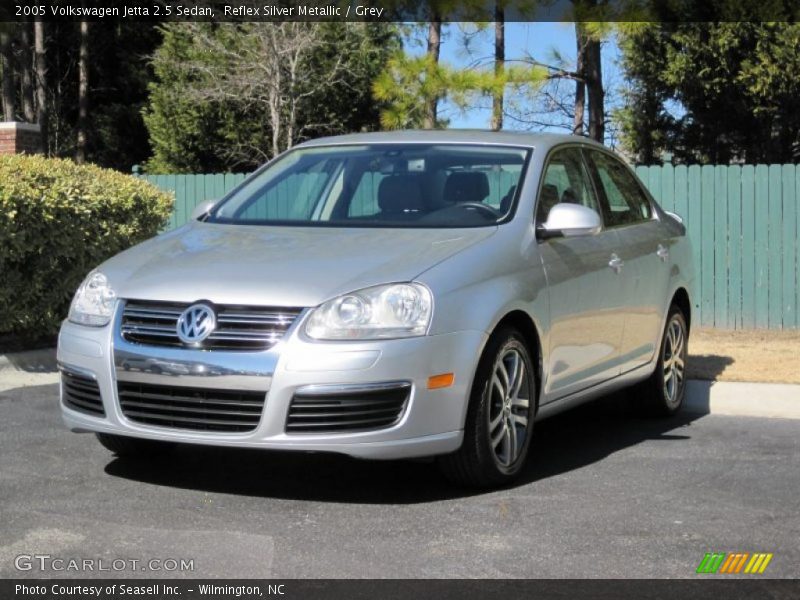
(765, 356)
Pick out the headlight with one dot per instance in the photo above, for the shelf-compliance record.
(93, 303)
(386, 311)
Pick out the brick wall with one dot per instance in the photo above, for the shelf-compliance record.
(20, 138)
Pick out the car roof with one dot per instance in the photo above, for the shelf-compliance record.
(457, 136)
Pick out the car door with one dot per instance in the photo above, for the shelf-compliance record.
(644, 251)
(586, 301)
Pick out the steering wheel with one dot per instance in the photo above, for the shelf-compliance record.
(494, 213)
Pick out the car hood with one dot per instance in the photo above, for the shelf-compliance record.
(279, 266)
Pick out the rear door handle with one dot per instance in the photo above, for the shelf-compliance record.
(616, 263)
(662, 252)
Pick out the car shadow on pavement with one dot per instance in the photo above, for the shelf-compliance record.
(561, 444)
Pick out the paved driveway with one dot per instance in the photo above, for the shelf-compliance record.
(607, 494)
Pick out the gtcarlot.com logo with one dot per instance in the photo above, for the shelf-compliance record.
(734, 563)
(47, 562)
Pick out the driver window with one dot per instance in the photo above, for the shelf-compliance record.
(565, 181)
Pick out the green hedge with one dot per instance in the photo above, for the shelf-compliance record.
(59, 220)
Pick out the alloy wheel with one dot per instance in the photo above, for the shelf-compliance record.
(674, 361)
(509, 407)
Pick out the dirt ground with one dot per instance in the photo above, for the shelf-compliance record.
(758, 356)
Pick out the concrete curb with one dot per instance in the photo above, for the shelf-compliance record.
(769, 400)
(25, 369)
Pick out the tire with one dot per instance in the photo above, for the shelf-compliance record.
(665, 390)
(129, 447)
(499, 423)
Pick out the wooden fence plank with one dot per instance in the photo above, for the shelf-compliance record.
(654, 184)
(774, 242)
(218, 187)
(695, 232)
(734, 247)
(180, 196)
(762, 246)
(797, 248)
(707, 246)
(720, 243)
(667, 197)
(682, 192)
(789, 225)
(797, 245)
(194, 188)
(748, 246)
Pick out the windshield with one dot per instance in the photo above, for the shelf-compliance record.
(381, 185)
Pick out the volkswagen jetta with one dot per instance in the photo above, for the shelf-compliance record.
(385, 296)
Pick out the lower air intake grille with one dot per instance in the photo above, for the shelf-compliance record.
(81, 393)
(326, 409)
(191, 408)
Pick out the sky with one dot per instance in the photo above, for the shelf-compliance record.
(539, 39)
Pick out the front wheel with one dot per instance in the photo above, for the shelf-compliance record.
(499, 424)
(665, 390)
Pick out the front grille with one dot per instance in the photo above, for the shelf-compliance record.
(82, 393)
(330, 410)
(191, 408)
(244, 328)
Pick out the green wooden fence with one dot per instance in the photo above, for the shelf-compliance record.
(191, 190)
(744, 223)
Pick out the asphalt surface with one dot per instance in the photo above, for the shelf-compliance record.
(607, 494)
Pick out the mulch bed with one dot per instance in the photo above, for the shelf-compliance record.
(12, 342)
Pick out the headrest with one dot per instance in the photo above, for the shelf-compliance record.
(400, 193)
(466, 186)
(549, 194)
(570, 197)
(547, 199)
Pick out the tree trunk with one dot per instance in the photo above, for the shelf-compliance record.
(594, 84)
(580, 82)
(499, 64)
(7, 61)
(41, 81)
(26, 74)
(83, 93)
(434, 45)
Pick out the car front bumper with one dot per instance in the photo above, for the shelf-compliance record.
(431, 423)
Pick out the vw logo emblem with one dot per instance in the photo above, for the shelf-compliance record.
(196, 323)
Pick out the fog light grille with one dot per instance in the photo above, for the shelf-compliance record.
(326, 409)
(81, 393)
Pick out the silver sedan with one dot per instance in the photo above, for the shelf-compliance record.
(388, 295)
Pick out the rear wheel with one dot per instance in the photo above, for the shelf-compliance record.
(665, 390)
(134, 447)
(500, 416)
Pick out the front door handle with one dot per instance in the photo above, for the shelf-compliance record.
(662, 252)
(616, 263)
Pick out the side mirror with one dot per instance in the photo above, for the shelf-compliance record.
(202, 209)
(570, 220)
(675, 216)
